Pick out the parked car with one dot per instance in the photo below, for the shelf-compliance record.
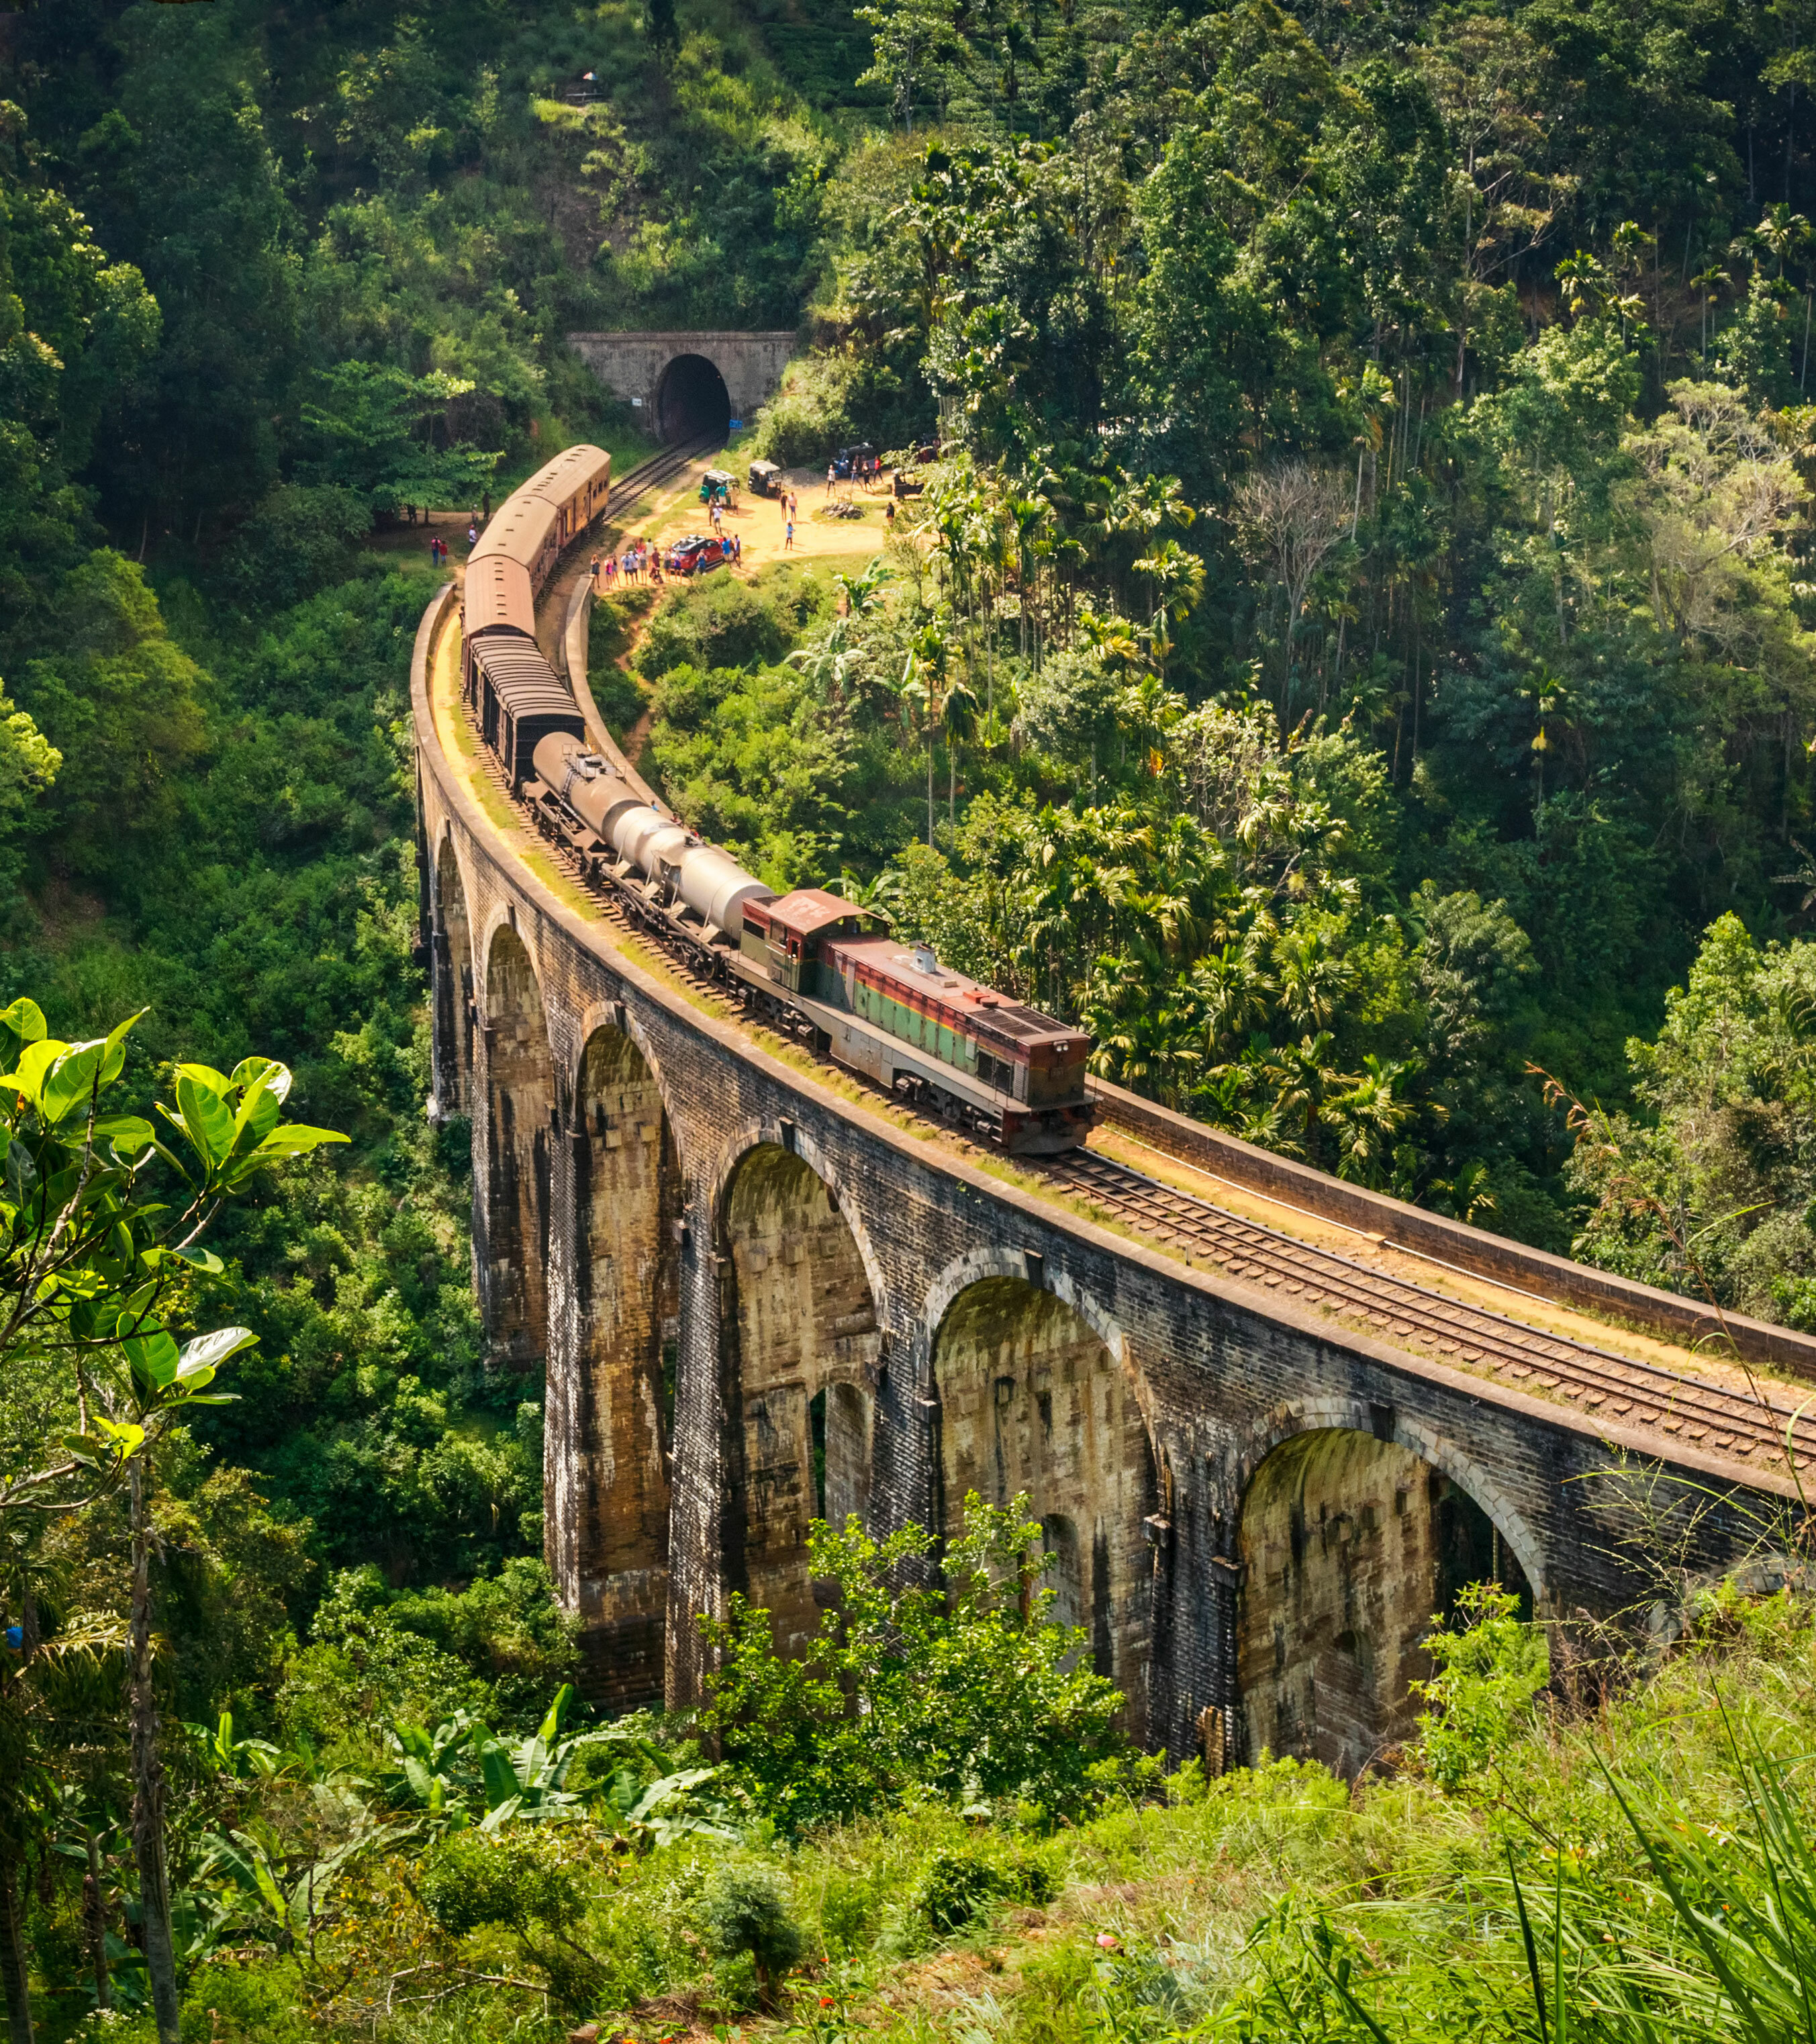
(850, 460)
(695, 554)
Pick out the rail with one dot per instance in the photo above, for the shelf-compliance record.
(1758, 1423)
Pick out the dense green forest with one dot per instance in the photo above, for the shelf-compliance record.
(1353, 651)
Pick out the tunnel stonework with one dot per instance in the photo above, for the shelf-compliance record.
(633, 366)
(764, 1300)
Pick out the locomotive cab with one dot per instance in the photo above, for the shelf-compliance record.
(784, 937)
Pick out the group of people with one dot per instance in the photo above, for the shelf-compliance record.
(641, 561)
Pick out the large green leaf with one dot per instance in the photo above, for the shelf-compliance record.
(130, 1134)
(23, 1022)
(73, 1082)
(293, 1138)
(253, 1071)
(500, 1776)
(35, 1062)
(203, 1356)
(204, 1117)
(257, 1117)
(154, 1358)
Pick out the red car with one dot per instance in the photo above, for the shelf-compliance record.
(695, 554)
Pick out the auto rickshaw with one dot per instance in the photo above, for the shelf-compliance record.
(766, 478)
(716, 487)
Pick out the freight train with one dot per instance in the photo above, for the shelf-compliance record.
(809, 963)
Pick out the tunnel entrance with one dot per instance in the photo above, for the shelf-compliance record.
(692, 400)
(1350, 1546)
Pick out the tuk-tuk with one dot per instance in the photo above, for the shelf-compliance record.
(766, 478)
(716, 487)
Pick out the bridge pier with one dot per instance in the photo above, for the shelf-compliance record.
(615, 1337)
(517, 1079)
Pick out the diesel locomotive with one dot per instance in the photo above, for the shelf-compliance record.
(812, 964)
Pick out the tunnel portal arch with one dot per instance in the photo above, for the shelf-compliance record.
(807, 1346)
(1033, 1399)
(519, 1113)
(692, 399)
(1348, 1545)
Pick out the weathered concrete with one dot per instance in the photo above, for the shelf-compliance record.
(831, 1278)
(1033, 1402)
(1348, 1545)
(635, 365)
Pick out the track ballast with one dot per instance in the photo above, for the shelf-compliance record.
(1753, 1425)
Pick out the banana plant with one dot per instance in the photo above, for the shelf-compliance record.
(283, 1901)
(427, 1776)
(220, 1749)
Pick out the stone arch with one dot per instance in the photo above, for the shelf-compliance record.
(611, 1404)
(1033, 1398)
(1350, 1540)
(787, 1136)
(1304, 1415)
(692, 399)
(452, 984)
(803, 1322)
(519, 1128)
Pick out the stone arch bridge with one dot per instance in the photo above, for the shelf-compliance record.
(761, 1296)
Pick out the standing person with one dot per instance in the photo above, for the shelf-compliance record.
(486, 506)
(472, 535)
(592, 575)
(831, 478)
(788, 537)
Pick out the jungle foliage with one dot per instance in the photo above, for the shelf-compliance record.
(1355, 654)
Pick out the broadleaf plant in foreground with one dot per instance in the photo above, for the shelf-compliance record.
(95, 1270)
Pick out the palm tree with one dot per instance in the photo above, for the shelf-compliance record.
(959, 720)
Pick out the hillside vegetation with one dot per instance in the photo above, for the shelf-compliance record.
(1353, 652)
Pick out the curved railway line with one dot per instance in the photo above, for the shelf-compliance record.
(1753, 1421)
(651, 474)
(1752, 1424)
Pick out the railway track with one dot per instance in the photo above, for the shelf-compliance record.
(1759, 1427)
(1755, 1423)
(638, 482)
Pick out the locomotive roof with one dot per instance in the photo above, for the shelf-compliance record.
(809, 909)
(991, 1013)
(522, 680)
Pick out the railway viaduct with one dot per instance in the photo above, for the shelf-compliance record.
(761, 1295)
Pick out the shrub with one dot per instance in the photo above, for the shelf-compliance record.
(1488, 1671)
(811, 414)
(966, 1690)
(744, 1912)
(959, 1883)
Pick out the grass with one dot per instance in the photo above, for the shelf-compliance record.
(1230, 1911)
